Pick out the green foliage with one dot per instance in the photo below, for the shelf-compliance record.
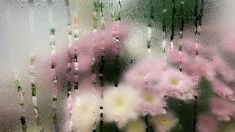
(151, 11)
(109, 127)
(187, 112)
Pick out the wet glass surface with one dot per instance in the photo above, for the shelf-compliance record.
(201, 37)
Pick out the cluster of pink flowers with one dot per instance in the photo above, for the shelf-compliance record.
(208, 63)
(151, 80)
(108, 43)
(157, 81)
(90, 47)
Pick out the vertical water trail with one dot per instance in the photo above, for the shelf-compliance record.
(99, 10)
(68, 71)
(149, 52)
(149, 28)
(111, 10)
(198, 13)
(172, 23)
(101, 77)
(53, 67)
(21, 102)
(31, 68)
(101, 6)
(181, 41)
(195, 21)
(120, 10)
(164, 46)
(34, 92)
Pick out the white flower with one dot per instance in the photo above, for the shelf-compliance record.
(165, 122)
(121, 104)
(85, 111)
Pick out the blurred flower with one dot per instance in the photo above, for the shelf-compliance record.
(98, 43)
(146, 73)
(165, 122)
(90, 47)
(223, 69)
(118, 30)
(177, 56)
(121, 104)
(222, 90)
(228, 40)
(200, 67)
(229, 48)
(152, 102)
(135, 126)
(205, 68)
(105, 44)
(194, 67)
(224, 110)
(187, 63)
(85, 62)
(177, 84)
(207, 123)
(189, 46)
(85, 111)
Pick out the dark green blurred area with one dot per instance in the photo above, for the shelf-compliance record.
(151, 11)
(187, 112)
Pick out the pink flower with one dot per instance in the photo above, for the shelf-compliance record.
(177, 84)
(190, 47)
(146, 73)
(110, 41)
(223, 69)
(85, 44)
(194, 66)
(228, 41)
(90, 47)
(206, 68)
(98, 43)
(61, 60)
(177, 56)
(224, 110)
(230, 48)
(222, 90)
(207, 123)
(85, 62)
(118, 30)
(199, 67)
(152, 102)
(105, 44)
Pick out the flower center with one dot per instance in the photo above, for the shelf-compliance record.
(174, 82)
(84, 108)
(149, 98)
(141, 73)
(164, 120)
(119, 102)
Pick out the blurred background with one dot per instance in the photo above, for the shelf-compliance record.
(25, 28)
